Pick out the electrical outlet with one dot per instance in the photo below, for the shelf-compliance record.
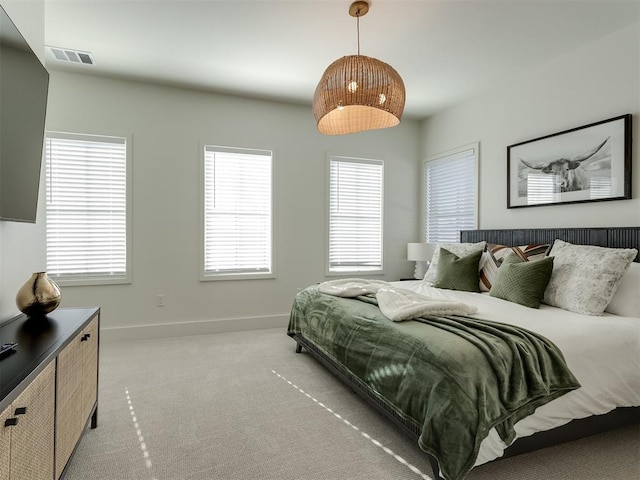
(159, 300)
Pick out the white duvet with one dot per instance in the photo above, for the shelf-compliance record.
(602, 352)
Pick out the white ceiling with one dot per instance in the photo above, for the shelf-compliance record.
(445, 50)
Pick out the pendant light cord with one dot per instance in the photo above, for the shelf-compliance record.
(358, 29)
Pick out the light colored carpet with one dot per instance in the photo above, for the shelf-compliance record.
(244, 405)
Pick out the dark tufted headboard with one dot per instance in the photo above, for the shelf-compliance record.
(614, 237)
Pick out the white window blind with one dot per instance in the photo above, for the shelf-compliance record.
(450, 196)
(86, 203)
(541, 188)
(237, 211)
(355, 215)
(600, 187)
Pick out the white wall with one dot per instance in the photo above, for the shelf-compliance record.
(597, 82)
(167, 126)
(22, 244)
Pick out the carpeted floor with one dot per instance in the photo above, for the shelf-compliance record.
(243, 405)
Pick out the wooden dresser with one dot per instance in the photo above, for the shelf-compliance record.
(48, 391)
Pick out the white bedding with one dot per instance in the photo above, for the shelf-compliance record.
(602, 352)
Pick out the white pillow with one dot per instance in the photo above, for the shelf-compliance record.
(626, 301)
(460, 249)
(585, 277)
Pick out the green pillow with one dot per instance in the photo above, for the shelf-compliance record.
(522, 282)
(458, 273)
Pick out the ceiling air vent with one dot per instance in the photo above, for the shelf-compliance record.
(73, 56)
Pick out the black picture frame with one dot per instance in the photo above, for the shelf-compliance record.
(590, 163)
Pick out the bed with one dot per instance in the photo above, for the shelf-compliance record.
(594, 396)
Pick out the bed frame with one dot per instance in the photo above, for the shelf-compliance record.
(618, 237)
(615, 237)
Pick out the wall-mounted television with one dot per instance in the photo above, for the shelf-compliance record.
(24, 85)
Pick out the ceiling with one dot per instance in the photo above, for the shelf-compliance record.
(446, 51)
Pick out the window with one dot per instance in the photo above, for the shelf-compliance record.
(540, 188)
(450, 189)
(546, 188)
(355, 215)
(237, 218)
(88, 209)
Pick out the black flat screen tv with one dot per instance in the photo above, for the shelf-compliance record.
(24, 85)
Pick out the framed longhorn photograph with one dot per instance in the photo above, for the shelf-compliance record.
(584, 164)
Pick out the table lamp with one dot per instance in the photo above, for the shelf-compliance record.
(420, 253)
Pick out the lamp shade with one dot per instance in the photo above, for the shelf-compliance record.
(358, 93)
(420, 252)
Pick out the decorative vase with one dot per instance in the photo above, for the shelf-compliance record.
(38, 296)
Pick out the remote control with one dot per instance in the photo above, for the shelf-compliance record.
(7, 347)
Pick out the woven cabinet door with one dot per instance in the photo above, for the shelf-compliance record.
(90, 369)
(32, 438)
(5, 443)
(69, 421)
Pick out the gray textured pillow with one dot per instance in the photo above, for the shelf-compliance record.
(585, 277)
(460, 249)
(458, 273)
(522, 282)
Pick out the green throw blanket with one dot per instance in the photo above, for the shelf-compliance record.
(456, 377)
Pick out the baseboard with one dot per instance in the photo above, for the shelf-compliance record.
(187, 329)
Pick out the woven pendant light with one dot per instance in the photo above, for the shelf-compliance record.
(358, 93)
